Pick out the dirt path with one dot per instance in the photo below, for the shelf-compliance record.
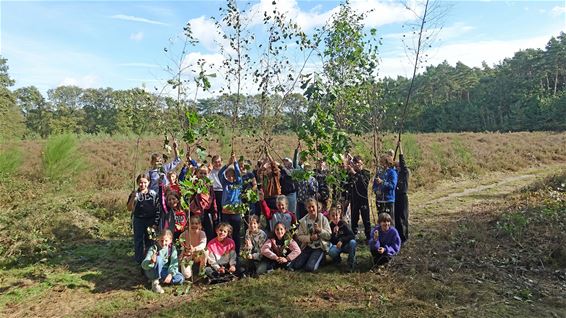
(452, 197)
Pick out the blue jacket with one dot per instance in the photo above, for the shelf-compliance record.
(385, 192)
(231, 190)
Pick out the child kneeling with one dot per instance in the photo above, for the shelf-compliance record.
(161, 265)
(221, 254)
(343, 239)
(279, 250)
(385, 241)
(194, 248)
(251, 254)
(314, 234)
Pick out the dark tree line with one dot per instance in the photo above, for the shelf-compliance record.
(524, 92)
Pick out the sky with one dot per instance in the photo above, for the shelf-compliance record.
(120, 44)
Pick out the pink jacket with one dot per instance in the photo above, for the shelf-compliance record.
(271, 250)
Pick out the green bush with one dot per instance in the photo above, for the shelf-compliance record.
(10, 161)
(61, 159)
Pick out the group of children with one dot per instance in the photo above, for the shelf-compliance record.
(288, 228)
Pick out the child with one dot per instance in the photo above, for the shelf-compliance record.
(280, 250)
(384, 186)
(343, 239)
(231, 180)
(161, 264)
(305, 188)
(175, 218)
(282, 215)
(214, 176)
(385, 242)
(359, 203)
(143, 204)
(254, 239)
(173, 184)
(204, 205)
(221, 253)
(314, 234)
(269, 179)
(158, 169)
(194, 247)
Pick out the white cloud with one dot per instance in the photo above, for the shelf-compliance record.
(556, 11)
(138, 36)
(204, 30)
(87, 81)
(383, 12)
(470, 53)
(136, 19)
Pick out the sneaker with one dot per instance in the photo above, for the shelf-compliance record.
(156, 287)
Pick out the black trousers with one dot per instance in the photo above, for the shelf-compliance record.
(402, 215)
(380, 259)
(360, 206)
(387, 207)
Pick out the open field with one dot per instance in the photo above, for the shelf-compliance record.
(487, 225)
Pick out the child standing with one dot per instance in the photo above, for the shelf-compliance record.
(158, 169)
(254, 239)
(221, 253)
(214, 176)
(145, 214)
(314, 234)
(343, 239)
(161, 264)
(204, 205)
(194, 247)
(173, 182)
(385, 242)
(175, 218)
(231, 180)
(269, 179)
(384, 186)
(280, 250)
(282, 215)
(359, 203)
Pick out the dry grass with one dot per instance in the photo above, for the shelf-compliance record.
(81, 231)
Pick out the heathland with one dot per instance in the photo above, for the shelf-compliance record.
(488, 223)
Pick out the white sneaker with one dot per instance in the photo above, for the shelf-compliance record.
(156, 287)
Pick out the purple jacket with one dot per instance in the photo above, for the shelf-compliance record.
(389, 240)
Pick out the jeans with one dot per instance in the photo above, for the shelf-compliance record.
(141, 238)
(292, 198)
(161, 270)
(309, 259)
(349, 248)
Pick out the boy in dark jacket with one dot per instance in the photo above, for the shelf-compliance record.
(342, 239)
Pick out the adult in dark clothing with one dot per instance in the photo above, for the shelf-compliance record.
(401, 197)
(359, 180)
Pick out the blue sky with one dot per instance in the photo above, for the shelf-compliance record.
(119, 44)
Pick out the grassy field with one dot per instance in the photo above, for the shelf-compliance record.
(488, 218)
